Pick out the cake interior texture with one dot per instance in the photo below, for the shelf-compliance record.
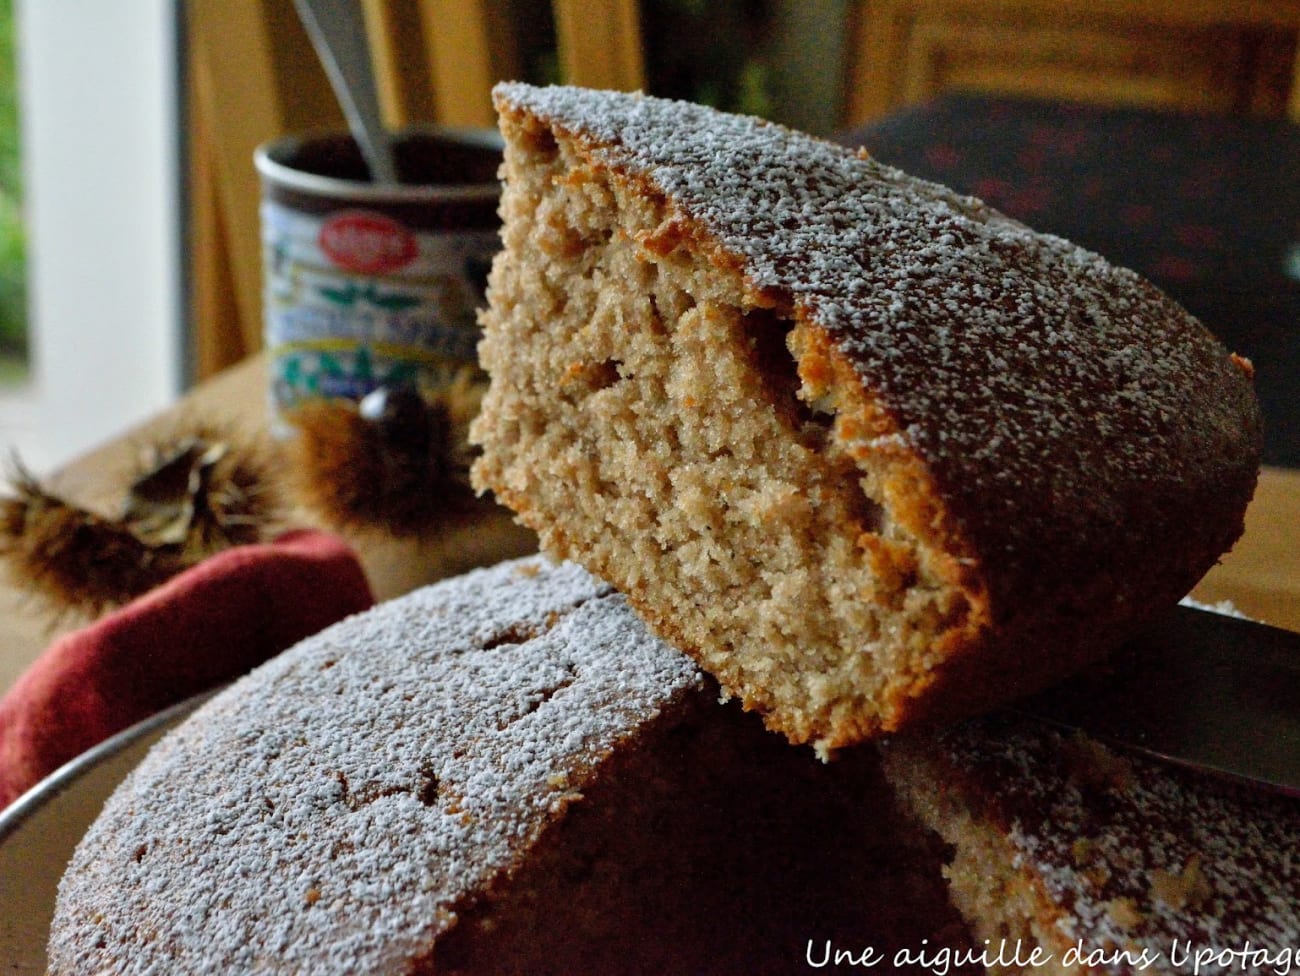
(640, 395)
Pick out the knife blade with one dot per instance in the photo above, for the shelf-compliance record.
(1197, 688)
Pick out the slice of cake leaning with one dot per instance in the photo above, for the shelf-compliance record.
(871, 452)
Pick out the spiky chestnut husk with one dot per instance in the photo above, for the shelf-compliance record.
(206, 490)
(195, 495)
(397, 462)
(75, 559)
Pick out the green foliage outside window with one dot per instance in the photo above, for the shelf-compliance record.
(13, 288)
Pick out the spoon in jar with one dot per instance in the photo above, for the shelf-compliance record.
(338, 32)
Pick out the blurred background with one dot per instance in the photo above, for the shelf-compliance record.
(1159, 133)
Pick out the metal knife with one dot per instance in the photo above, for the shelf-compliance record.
(1200, 689)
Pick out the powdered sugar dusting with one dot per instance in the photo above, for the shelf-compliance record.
(335, 808)
(1198, 860)
(1009, 360)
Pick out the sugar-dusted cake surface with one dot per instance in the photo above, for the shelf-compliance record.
(870, 451)
(1109, 863)
(502, 773)
(273, 825)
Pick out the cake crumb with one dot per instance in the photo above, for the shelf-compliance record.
(1094, 767)
(1083, 850)
(1188, 888)
(1090, 860)
(1124, 912)
(1098, 875)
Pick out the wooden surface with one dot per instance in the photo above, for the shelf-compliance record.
(1261, 576)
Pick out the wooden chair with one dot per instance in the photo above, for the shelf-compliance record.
(253, 75)
(1224, 56)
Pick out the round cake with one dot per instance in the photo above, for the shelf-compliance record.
(502, 773)
(871, 452)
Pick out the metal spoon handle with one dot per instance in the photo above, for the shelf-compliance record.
(338, 32)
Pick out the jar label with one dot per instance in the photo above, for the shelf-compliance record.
(355, 300)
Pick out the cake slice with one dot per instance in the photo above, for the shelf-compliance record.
(869, 451)
(501, 773)
(1104, 863)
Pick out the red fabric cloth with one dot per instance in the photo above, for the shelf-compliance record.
(201, 629)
